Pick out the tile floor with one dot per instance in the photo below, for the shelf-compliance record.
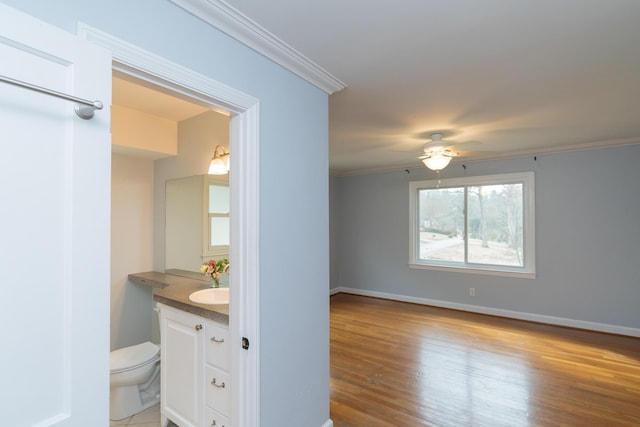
(147, 418)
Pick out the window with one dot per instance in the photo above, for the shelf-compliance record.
(219, 215)
(479, 224)
(218, 212)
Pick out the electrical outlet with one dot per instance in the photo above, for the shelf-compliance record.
(472, 292)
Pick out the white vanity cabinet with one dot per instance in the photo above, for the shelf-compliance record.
(195, 366)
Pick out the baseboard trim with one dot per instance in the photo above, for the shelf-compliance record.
(329, 423)
(532, 317)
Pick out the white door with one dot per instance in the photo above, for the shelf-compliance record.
(54, 229)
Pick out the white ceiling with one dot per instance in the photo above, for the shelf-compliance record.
(135, 94)
(499, 77)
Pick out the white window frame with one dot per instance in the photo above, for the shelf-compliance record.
(208, 250)
(528, 271)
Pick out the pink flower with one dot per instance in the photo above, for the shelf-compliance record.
(214, 269)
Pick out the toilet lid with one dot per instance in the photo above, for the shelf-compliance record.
(129, 357)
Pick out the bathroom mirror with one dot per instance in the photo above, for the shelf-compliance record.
(197, 221)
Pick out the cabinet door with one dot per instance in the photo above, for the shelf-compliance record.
(181, 367)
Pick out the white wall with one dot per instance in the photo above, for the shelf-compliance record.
(197, 139)
(137, 216)
(293, 218)
(131, 249)
(135, 130)
(587, 232)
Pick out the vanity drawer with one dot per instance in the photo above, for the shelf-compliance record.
(218, 390)
(215, 419)
(217, 347)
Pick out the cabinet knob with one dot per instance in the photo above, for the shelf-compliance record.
(213, 383)
(198, 327)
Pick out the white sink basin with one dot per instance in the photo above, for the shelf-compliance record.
(211, 296)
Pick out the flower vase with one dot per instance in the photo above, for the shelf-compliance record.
(215, 282)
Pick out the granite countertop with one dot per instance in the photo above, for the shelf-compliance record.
(173, 289)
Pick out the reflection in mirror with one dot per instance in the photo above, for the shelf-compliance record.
(218, 217)
(197, 221)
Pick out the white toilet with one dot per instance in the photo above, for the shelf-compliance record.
(134, 380)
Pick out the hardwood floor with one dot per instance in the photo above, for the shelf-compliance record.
(401, 364)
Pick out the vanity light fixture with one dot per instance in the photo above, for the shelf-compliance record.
(219, 162)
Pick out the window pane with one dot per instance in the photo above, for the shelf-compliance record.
(495, 223)
(441, 224)
(218, 199)
(219, 231)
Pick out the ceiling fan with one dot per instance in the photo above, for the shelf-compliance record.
(437, 154)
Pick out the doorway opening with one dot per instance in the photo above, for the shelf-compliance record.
(147, 70)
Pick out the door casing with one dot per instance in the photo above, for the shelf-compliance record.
(244, 183)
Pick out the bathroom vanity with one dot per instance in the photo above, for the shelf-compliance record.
(195, 354)
(195, 383)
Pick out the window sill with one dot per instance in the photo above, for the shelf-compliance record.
(472, 270)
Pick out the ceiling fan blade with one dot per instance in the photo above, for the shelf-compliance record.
(468, 145)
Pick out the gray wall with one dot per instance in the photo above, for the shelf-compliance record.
(294, 218)
(334, 235)
(197, 138)
(587, 233)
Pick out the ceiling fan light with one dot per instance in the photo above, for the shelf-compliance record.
(437, 161)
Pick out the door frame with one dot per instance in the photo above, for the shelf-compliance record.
(244, 147)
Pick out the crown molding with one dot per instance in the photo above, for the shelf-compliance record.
(613, 143)
(230, 21)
